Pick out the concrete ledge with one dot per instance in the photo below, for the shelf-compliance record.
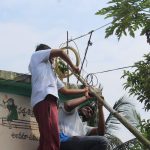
(8, 75)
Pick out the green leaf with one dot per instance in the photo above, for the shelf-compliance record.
(130, 15)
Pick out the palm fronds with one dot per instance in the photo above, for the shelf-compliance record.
(126, 109)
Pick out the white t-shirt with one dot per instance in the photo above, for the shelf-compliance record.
(71, 124)
(44, 80)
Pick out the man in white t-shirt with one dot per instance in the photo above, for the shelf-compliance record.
(74, 134)
(45, 87)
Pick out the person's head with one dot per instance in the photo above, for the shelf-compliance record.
(42, 47)
(88, 111)
(10, 101)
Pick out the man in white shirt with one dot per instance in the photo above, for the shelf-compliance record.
(74, 134)
(45, 87)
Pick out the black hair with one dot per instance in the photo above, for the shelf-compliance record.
(11, 100)
(42, 47)
(92, 105)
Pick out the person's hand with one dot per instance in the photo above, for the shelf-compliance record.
(87, 92)
(86, 89)
(100, 103)
(5, 99)
(76, 69)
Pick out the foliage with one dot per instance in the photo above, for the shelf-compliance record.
(138, 81)
(62, 66)
(113, 141)
(126, 109)
(144, 128)
(61, 69)
(127, 15)
(137, 146)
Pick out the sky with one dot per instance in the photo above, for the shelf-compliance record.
(26, 23)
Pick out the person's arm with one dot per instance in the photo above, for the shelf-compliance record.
(65, 90)
(72, 104)
(100, 130)
(101, 122)
(60, 53)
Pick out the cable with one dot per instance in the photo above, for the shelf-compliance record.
(113, 69)
(91, 77)
(88, 33)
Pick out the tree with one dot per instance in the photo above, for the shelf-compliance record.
(127, 15)
(127, 109)
(138, 81)
(145, 130)
(131, 15)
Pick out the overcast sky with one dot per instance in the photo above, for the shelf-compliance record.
(26, 23)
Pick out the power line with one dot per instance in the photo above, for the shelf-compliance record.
(89, 42)
(87, 33)
(92, 77)
(112, 69)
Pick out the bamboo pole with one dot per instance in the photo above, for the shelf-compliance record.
(122, 119)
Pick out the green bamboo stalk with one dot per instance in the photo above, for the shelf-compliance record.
(122, 119)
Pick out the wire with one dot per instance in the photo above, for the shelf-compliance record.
(91, 77)
(113, 69)
(88, 32)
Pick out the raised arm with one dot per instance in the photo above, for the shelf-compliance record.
(100, 130)
(73, 103)
(60, 53)
(101, 120)
(65, 90)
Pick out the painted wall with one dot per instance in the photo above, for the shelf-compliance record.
(18, 127)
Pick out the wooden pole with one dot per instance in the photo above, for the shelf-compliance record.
(121, 118)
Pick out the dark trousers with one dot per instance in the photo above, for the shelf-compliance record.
(46, 114)
(85, 143)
